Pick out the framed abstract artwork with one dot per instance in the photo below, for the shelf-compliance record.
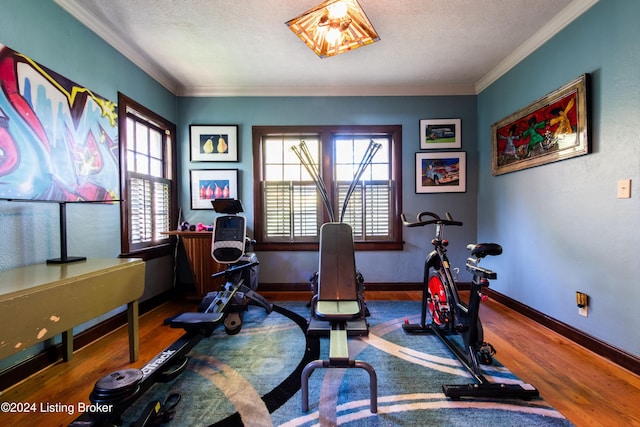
(553, 128)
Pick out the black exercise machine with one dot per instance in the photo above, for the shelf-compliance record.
(451, 316)
(338, 303)
(228, 246)
(117, 391)
(114, 393)
(338, 309)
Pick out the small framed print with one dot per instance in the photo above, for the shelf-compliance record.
(214, 143)
(440, 133)
(210, 184)
(441, 172)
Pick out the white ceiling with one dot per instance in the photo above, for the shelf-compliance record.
(244, 48)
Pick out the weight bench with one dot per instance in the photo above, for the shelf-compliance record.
(338, 303)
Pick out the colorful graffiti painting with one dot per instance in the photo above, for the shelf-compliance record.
(58, 140)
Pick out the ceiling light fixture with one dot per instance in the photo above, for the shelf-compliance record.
(333, 27)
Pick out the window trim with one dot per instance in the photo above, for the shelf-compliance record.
(326, 134)
(126, 104)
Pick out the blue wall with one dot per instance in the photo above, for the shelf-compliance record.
(43, 31)
(382, 267)
(562, 226)
(30, 231)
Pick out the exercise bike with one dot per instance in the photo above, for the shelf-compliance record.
(452, 316)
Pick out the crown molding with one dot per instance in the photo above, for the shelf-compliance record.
(553, 27)
(315, 91)
(118, 43)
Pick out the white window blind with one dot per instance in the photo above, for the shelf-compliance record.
(149, 199)
(369, 209)
(292, 209)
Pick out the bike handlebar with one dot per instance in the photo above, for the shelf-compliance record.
(435, 220)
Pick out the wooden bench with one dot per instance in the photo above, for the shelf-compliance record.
(40, 301)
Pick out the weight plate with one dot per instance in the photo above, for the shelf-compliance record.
(115, 399)
(118, 381)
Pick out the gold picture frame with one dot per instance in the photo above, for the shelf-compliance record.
(553, 128)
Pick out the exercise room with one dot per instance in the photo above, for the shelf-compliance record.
(340, 212)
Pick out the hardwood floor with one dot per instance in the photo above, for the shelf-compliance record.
(586, 388)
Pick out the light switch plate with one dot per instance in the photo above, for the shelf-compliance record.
(624, 189)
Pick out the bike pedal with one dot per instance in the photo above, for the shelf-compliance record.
(485, 359)
(485, 353)
(488, 348)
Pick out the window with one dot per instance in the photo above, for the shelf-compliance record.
(289, 209)
(147, 147)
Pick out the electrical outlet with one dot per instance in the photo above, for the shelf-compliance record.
(582, 300)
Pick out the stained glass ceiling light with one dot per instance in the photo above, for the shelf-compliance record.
(333, 27)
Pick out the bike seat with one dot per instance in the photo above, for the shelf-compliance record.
(481, 250)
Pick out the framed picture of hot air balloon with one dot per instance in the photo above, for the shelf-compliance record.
(210, 184)
(214, 143)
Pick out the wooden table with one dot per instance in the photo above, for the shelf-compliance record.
(40, 301)
(197, 245)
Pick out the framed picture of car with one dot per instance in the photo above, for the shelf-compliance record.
(441, 172)
(440, 134)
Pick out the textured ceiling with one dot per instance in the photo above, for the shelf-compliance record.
(243, 47)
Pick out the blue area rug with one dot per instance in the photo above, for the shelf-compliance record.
(253, 378)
